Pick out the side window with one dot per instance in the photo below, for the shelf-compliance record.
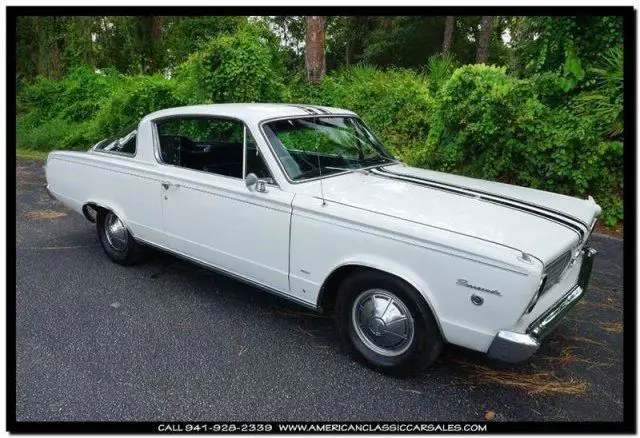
(202, 143)
(209, 144)
(124, 144)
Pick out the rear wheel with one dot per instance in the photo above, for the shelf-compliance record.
(385, 323)
(116, 240)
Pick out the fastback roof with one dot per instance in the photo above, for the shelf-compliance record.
(249, 112)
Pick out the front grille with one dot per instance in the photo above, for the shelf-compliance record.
(555, 269)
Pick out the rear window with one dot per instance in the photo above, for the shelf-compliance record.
(123, 143)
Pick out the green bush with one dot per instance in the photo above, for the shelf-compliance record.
(136, 97)
(86, 107)
(494, 126)
(477, 121)
(75, 98)
(231, 68)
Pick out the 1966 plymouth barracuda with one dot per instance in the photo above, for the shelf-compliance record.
(304, 201)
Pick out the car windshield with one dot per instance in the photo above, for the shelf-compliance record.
(310, 147)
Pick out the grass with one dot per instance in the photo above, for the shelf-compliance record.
(614, 327)
(31, 154)
(537, 382)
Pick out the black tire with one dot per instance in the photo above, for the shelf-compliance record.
(124, 250)
(413, 353)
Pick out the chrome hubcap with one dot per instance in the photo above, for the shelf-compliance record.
(382, 322)
(116, 232)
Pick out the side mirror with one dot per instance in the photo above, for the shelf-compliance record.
(254, 183)
(251, 180)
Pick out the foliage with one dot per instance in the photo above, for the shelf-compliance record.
(232, 68)
(491, 125)
(187, 35)
(86, 107)
(606, 101)
(551, 118)
(439, 69)
(557, 43)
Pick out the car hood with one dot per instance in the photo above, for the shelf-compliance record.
(539, 223)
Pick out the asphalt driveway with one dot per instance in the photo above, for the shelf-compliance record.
(168, 340)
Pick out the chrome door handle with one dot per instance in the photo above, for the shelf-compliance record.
(166, 185)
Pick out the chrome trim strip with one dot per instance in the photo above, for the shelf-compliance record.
(223, 271)
(244, 152)
(117, 153)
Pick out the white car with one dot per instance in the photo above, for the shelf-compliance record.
(303, 201)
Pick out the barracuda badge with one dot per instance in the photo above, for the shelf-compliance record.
(465, 283)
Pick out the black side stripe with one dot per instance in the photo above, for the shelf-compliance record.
(506, 198)
(470, 193)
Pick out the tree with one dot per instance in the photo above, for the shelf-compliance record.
(448, 33)
(482, 55)
(542, 43)
(314, 60)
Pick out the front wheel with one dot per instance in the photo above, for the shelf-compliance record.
(116, 240)
(386, 323)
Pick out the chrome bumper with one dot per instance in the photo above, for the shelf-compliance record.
(46, 187)
(515, 347)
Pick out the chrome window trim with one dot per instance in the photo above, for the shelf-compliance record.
(122, 154)
(158, 158)
(314, 116)
(244, 152)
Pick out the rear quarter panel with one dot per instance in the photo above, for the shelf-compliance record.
(129, 187)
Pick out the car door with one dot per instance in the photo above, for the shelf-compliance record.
(209, 213)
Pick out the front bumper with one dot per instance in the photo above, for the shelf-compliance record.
(49, 192)
(515, 347)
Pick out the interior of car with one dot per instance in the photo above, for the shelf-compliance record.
(222, 157)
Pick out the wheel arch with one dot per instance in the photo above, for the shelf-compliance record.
(91, 207)
(329, 288)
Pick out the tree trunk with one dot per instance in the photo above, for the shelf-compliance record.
(55, 61)
(482, 55)
(448, 33)
(314, 58)
(155, 23)
(56, 50)
(151, 37)
(348, 53)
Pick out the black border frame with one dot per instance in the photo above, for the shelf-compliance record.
(629, 15)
